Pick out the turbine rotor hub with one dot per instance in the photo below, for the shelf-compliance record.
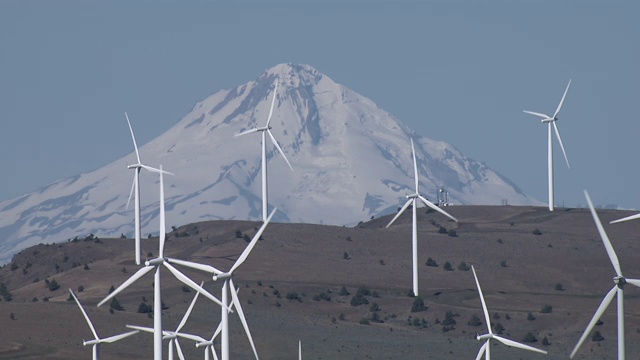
(620, 281)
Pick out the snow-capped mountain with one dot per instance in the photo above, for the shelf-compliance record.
(351, 160)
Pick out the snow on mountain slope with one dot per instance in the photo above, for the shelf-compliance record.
(351, 160)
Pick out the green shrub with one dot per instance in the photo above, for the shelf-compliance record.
(418, 305)
(431, 262)
(529, 338)
(546, 309)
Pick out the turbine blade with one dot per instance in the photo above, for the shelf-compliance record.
(186, 315)
(562, 100)
(135, 145)
(141, 328)
(217, 332)
(484, 305)
(406, 205)
(299, 350)
(543, 116)
(213, 351)
(253, 243)
(133, 185)
(86, 317)
(206, 268)
(238, 307)
(246, 132)
(162, 222)
(518, 345)
(603, 306)
(182, 277)
(632, 217)
(111, 339)
(436, 208)
(154, 170)
(138, 274)
(482, 349)
(555, 127)
(195, 338)
(273, 102)
(279, 149)
(605, 239)
(415, 166)
(179, 348)
(634, 282)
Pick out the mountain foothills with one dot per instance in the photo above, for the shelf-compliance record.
(342, 291)
(351, 160)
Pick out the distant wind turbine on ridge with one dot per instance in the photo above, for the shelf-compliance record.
(135, 190)
(266, 130)
(155, 264)
(618, 289)
(486, 347)
(413, 200)
(97, 341)
(551, 121)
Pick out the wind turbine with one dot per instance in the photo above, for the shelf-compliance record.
(97, 341)
(552, 120)
(228, 282)
(486, 347)
(135, 189)
(173, 336)
(413, 200)
(618, 289)
(264, 131)
(155, 264)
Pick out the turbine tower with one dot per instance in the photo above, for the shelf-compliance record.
(173, 336)
(96, 343)
(264, 131)
(413, 200)
(135, 190)
(227, 287)
(551, 121)
(155, 264)
(618, 289)
(486, 347)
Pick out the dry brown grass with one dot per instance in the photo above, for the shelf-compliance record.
(308, 259)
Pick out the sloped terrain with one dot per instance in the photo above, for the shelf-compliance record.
(351, 160)
(291, 284)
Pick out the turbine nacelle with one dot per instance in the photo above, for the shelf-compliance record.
(620, 281)
(549, 120)
(222, 276)
(154, 262)
(204, 343)
(483, 337)
(90, 342)
(412, 196)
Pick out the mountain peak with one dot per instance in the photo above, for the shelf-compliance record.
(352, 161)
(292, 75)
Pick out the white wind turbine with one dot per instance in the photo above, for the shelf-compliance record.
(413, 200)
(173, 336)
(97, 341)
(264, 131)
(551, 120)
(618, 289)
(486, 347)
(135, 190)
(156, 263)
(228, 282)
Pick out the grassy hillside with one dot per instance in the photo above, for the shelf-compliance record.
(531, 263)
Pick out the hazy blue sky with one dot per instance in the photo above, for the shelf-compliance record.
(458, 71)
